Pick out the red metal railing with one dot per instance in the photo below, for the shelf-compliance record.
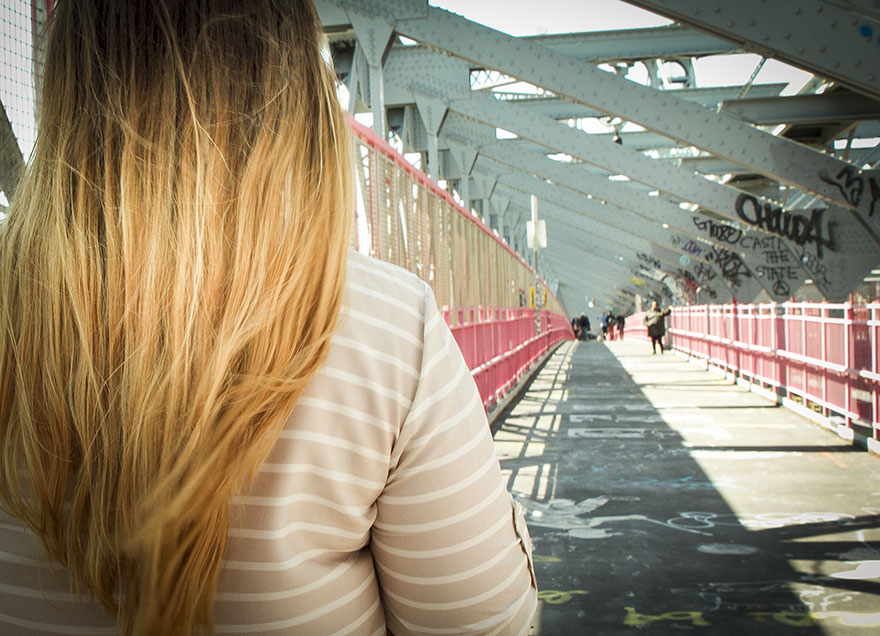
(478, 280)
(825, 356)
(500, 345)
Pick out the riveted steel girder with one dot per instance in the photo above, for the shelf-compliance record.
(620, 228)
(657, 110)
(623, 226)
(838, 247)
(821, 37)
(775, 260)
(840, 255)
(558, 108)
(666, 42)
(840, 106)
(589, 273)
(774, 266)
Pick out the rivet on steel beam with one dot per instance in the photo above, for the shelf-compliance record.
(821, 48)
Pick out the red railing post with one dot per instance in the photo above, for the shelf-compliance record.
(847, 360)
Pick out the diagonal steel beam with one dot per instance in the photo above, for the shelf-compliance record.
(821, 37)
(837, 255)
(661, 111)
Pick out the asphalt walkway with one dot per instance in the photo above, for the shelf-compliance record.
(663, 499)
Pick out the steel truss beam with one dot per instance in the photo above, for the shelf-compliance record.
(710, 97)
(773, 265)
(818, 36)
(656, 110)
(622, 230)
(633, 45)
(837, 261)
(804, 109)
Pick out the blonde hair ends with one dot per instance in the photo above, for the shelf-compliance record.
(171, 273)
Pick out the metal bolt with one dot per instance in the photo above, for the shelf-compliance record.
(821, 48)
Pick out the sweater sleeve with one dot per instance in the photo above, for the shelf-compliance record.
(452, 552)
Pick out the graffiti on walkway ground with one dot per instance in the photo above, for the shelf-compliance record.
(558, 597)
(792, 619)
(697, 520)
(572, 518)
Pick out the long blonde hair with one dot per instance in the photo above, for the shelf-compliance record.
(171, 272)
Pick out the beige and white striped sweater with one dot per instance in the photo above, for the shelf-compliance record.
(381, 508)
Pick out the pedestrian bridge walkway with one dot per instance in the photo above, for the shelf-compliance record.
(665, 499)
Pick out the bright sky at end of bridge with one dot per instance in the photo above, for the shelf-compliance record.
(529, 17)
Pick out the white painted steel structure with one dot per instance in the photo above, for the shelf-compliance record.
(720, 193)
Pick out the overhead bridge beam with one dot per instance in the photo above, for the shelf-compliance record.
(821, 37)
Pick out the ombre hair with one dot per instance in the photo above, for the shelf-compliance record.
(171, 274)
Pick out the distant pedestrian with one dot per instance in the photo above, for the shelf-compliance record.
(576, 327)
(621, 323)
(604, 322)
(655, 321)
(584, 324)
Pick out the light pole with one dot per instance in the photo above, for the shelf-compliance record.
(536, 234)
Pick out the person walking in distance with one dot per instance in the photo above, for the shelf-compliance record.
(584, 324)
(655, 321)
(621, 323)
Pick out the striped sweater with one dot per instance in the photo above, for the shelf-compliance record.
(380, 509)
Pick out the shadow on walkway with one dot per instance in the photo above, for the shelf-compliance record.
(664, 501)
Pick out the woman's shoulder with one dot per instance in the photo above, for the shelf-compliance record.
(365, 270)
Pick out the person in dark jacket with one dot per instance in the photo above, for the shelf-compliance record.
(584, 324)
(621, 323)
(655, 321)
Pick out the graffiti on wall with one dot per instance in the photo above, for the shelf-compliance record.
(853, 186)
(797, 227)
(731, 266)
(771, 260)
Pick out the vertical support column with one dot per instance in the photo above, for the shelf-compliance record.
(354, 78)
(465, 156)
(534, 200)
(432, 111)
(373, 35)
